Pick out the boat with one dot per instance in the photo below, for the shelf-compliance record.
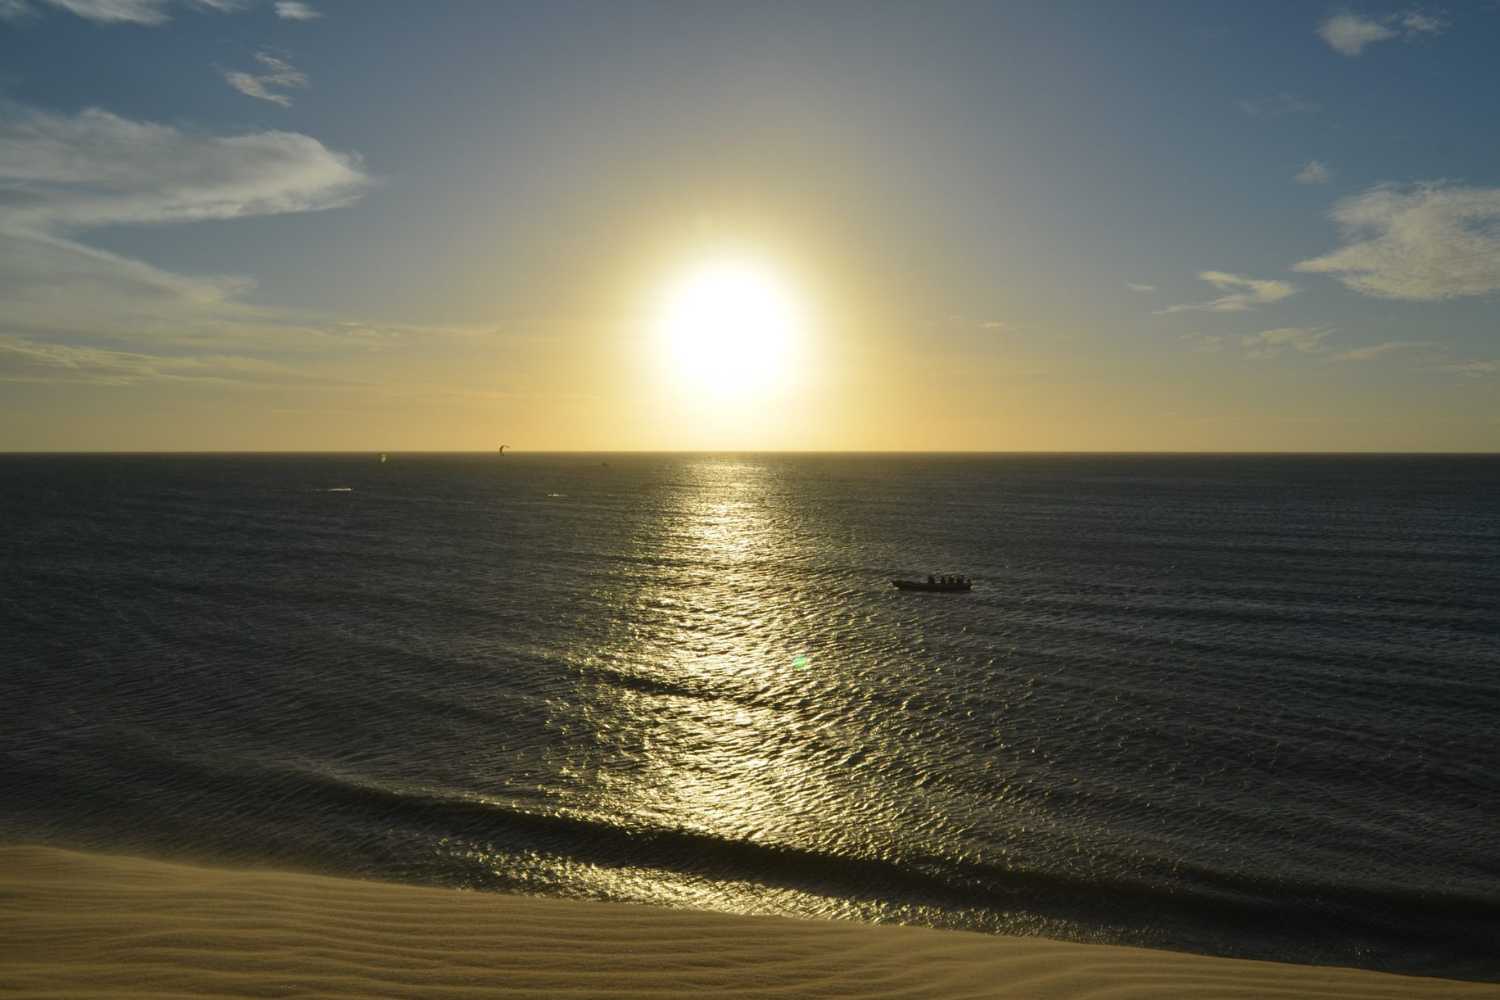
(953, 584)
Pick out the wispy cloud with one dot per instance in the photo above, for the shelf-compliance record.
(1381, 350)
(1474, 369)
(60, 173)
(1277, 106)
(1421, 22)
(1316, 172)
(293, 11)
(279, 74)
(1270, 343)
(1349, 34)
(148, 12)
(1205, 343)
(15, 11)
(1240, 293)
(23, 360)
(1300, 340)
(1139, 288)
(958, 321)
(1432, 242)
(96, 168)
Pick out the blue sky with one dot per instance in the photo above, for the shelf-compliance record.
(1075, 226)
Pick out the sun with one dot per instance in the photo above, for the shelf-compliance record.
(729, 327)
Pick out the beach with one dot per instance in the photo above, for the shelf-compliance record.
(79, 925)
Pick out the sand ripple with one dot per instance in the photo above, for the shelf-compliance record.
(89, 925)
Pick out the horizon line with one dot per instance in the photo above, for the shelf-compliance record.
(511, 452)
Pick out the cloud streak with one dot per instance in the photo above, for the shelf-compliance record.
(15, 11)
(1349, 34)
(96, 168)
(1240, 293)
(1316, 172)
(1428, 243)
(1381, 350)
(1277, 106)
(296, 11)
(145, 12)
(63, 298)
(1474, 369)
(1270, 343)
(280, 75)
(23, 360)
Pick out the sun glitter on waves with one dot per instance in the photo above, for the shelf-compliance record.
(729, 327)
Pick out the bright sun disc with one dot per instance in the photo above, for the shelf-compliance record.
(729, 327)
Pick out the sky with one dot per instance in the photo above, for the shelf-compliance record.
(1002, 226)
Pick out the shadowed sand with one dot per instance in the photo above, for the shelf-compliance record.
(75, 925)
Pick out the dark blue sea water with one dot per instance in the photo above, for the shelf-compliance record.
(1238, 705)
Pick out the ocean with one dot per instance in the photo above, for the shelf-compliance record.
(1236, 705)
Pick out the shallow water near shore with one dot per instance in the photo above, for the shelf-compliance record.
(1239, 705)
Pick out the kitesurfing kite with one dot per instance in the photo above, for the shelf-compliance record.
(503, 447)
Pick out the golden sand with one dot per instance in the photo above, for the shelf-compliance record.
(79, 925)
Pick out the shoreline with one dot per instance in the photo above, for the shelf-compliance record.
(79, 924)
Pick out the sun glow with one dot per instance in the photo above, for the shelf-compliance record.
(729, 327)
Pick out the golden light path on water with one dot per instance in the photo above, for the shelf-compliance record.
(720, 766)
(725, 709)
(737, 731)
(702, 719)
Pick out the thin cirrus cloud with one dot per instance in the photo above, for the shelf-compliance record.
(23, 360)
(1349, 34)
(1205, 343)
(1430, 242)
(73, 313)
(97, 168)
(1271, 343)
(1316, 172)
(1474, 369)
(1139, 288)
(61, 173)
(1240, 293)
(266, 86)
(1277, 106)
(958, 321)
(1381, 350)
(148, 12)
(292, 11)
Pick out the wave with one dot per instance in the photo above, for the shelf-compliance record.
(1266, 919)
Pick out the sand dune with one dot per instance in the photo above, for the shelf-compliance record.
(77, 925)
